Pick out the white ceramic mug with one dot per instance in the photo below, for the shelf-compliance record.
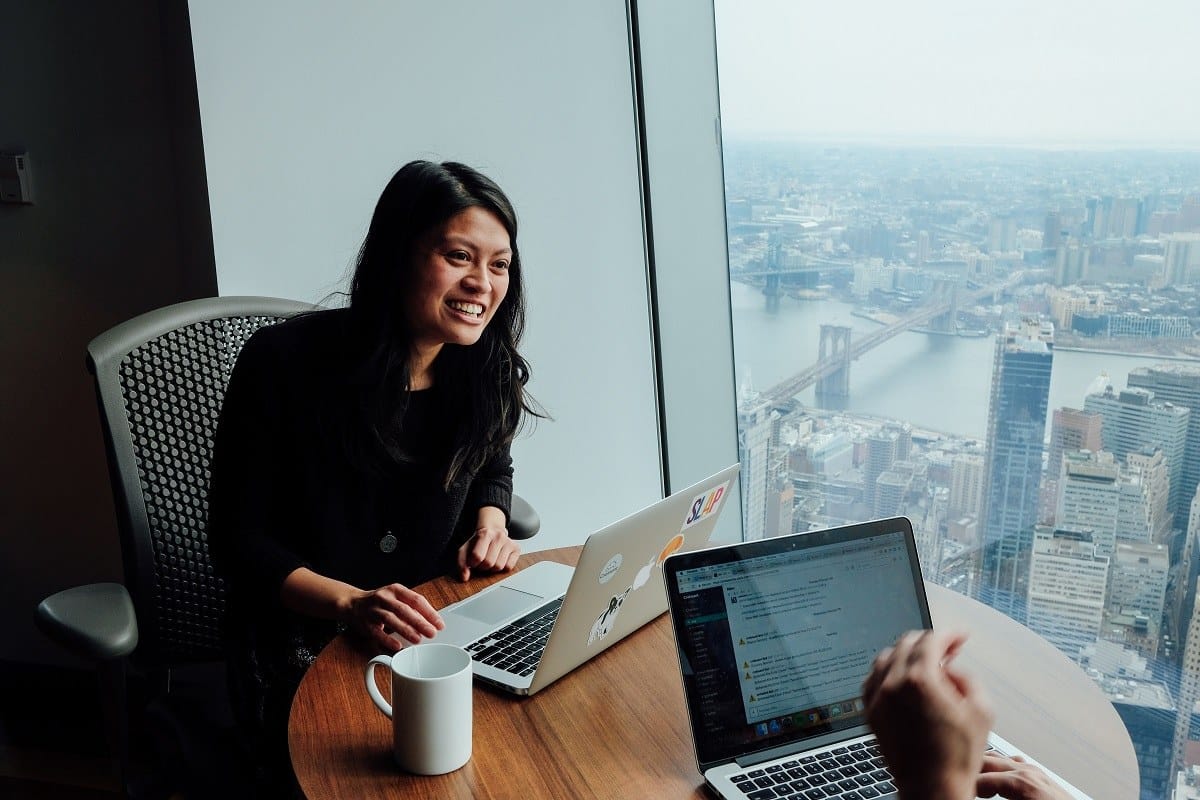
(431, 706)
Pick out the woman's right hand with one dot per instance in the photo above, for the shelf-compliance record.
(392, 609)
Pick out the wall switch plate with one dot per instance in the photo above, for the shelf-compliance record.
(16, 178)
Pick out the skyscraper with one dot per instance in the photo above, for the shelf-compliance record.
(1137, 588)
(1052, 231)
(1181, 258)
(883, 450)
(1070, 263)
(1151, 466)
(1183, 600)
(1189, 689)
(1066, 589)
(781, 496)
(1070, 429)
(1002, 234)
(966, 485)
(1089, 497)
(755, 426)
(1016, 425)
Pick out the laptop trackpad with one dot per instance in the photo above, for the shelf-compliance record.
(492, 608)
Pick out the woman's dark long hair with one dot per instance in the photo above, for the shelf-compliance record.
(482, 384)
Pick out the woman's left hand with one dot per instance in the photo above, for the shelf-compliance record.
(489, 549)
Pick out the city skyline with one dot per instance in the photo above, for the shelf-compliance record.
(1093, 257)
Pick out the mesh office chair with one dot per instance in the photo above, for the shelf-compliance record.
(160, 382)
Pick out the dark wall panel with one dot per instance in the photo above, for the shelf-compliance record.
(102, 96)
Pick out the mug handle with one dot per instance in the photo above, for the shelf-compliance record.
(372, 689)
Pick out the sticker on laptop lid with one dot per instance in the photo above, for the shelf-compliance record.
(608, 617)
(610, 568)
(670, 547)
(704, 505)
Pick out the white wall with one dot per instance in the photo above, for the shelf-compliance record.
(307, 108)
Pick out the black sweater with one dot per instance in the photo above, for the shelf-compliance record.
(286, 492)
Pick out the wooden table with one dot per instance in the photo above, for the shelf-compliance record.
(617, 727)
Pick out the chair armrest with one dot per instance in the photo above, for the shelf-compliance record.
(96, 621)
(523, 521)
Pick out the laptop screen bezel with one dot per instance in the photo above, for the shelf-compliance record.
(708, 756)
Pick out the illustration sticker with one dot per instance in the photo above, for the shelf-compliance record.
(604, 622)
(610, 568)
(704, 505)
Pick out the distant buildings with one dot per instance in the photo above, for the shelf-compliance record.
(1187, 784)
(1148, 710)
(1135, 418)
(1181, 258)
(1071, 264)
(1178, 384)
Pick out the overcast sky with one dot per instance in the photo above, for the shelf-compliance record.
(1059, 72)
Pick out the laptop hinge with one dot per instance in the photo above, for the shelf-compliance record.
(750, 759)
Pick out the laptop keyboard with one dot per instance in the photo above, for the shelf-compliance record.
(853, 772)
(518, 646)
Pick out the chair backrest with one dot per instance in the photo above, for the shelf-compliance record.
(160, 382)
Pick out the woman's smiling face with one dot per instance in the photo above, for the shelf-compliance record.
(460, 279)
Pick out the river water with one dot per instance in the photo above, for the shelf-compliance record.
(937, 382)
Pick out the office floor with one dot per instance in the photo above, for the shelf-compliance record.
(52, 739)
(51, 735)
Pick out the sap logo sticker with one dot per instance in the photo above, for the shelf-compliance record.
(705, 505)
(610, 568)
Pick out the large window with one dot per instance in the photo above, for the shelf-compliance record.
(965, 280)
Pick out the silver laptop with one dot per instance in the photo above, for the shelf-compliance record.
(775, 638)
(533, 627)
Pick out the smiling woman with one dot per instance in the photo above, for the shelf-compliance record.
(365, 450)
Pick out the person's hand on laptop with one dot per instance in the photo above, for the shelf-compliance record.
(1016, 779)
(489, 549)
(393, 615)
(932, 721)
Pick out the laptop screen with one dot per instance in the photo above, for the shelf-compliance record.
(775, 637)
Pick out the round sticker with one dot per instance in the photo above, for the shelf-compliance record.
(610, 569)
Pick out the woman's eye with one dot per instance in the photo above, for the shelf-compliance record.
(500, 264)
(459, 255)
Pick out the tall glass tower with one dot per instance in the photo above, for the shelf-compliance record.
(1013, 470)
